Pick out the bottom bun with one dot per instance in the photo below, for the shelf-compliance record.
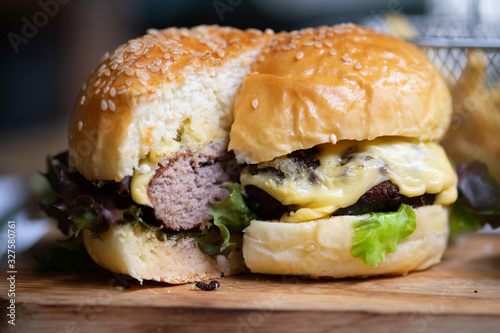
(322, 248)
(128, 250)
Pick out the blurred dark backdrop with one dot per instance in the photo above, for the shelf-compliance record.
(50, 46)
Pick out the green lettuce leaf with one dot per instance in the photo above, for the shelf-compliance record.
(231, 215)
(478, 200)
(381, 233)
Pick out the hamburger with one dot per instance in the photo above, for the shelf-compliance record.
(196, 153)
(147, 151)
(338, 128)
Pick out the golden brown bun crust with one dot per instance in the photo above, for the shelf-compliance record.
(129, 83)
(343, 80)
(322, 248)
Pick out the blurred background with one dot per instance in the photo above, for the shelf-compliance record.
(50, 46)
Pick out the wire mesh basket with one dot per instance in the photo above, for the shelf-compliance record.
(467, 53)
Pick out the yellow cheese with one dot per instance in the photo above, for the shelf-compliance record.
(146, 170)
(140, 183)
(349, 169)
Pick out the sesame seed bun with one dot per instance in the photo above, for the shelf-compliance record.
(322, 248)
(343, 82)
(174, 83)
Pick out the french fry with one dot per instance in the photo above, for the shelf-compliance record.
(475, 130)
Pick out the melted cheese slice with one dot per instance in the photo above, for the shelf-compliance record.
(348, 169)
(146, 170)
(140, 183)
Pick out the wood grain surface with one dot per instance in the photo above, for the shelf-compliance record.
(461, 294)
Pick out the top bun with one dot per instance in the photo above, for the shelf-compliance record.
(162, 92)
(343, 82)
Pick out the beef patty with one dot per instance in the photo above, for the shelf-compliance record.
(184, 185)
(380, 198)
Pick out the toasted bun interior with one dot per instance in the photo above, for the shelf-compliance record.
(343, 82)
(322, 248)
(129, 250)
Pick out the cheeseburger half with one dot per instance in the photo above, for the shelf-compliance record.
(338, 127)
(148, 152)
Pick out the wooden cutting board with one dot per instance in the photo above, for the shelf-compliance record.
(462, 294)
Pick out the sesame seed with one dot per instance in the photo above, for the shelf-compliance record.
(104, 105)
(333, 138)
(155, 69)
(221, 53)
(96, 83)
(333, 52)
(152, 97)
(82, 100)
(206, 55)
(171, 76)
(139, 65)
(148, 55)
(299, 55)
(122, 90)
(310, 248)
(80, 126)
(111, 105)
(261, 58)
(128, 82)
(105, 56)
(153, 31)
(164, 69)
(255, 103)
(318, 45)
(358, 66)
(129, 71)
(157, 62)
(167, 56)
(112, 92)
(346, 58)
(177, 56)
(328, 43)
(269, 31)
(107, 72)
(309, 43)
(114, 66)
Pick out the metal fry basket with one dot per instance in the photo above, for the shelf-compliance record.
(467, 53)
